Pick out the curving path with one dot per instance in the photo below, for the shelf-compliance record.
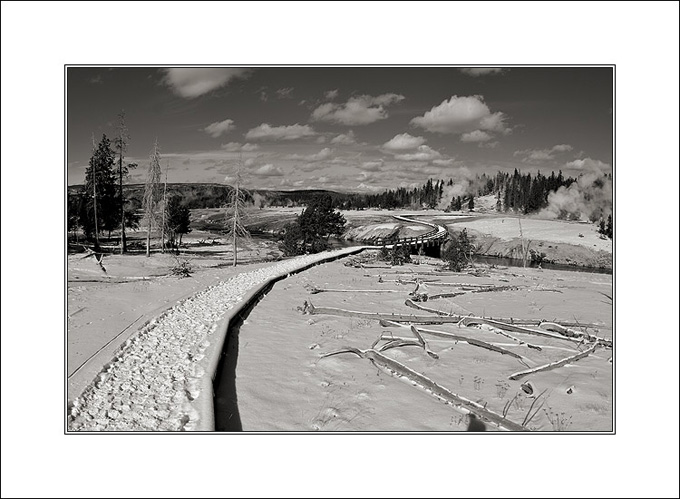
(159, 379)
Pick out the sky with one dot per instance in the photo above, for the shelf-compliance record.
(361, 129)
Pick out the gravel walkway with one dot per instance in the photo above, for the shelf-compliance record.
(150, 383)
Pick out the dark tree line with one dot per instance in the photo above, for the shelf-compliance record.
(104, 195)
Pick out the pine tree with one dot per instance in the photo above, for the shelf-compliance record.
(471, 203)
(99, 209)
(152, 194)
(178, 221)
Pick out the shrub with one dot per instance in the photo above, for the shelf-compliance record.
(458, 251)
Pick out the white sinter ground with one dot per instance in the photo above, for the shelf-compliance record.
(149, 385)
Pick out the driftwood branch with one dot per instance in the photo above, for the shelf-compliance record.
(397, 369)
(554, 365)
(424, 344)
(421, 319)
(467, 321)
(464, 339)
(313, 290)
(565, 331)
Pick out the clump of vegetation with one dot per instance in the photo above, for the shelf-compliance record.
(537, 257)
(177, 222)
(607, 229)
(458, 251)
(312, 228)
(400, 255)
(182, 268)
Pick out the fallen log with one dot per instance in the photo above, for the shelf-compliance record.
(455, 337)
(424, 344)
(412, 304)
(445, 295)
(419, 319)
(565, 331)
(314, 291)
(400, 370)
(467, 321)
(554, 365)
(311, 309)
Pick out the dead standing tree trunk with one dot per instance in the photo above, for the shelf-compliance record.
(121, 143)
(525, 244)
(236, 207)
(152, 194)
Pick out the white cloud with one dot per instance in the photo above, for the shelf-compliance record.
(323, 154)
(481, 71)
(320, 139)
(372, 166)
(289, 132)
(475, 136)
(331, 94)
(367, 187)
(588, 164)
(538, 155)
(238, 147)
(460, 115)
(360, 110)
(344, 138)
(443, 162)
(268, 170)
(403, 142)
(194, 82)
(219, 127)
(424, 153)
(285, 93)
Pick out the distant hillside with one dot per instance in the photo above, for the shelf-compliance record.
(197, 196)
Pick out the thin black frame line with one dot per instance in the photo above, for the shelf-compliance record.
(65, 226)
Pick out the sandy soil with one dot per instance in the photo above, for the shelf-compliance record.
(284, 384)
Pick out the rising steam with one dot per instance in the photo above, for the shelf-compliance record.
(590, 197)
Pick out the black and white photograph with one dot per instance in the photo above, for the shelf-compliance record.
(340, 248)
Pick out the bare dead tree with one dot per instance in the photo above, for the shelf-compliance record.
(165, 207)
(94, 194)
(152, 194)
(121, 142)
(235, 213)
(525, 244)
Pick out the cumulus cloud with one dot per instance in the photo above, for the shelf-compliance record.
(268, 170)
(540, 155)
(344, 138)
(284, 132)
(444, 162)
(475, 136)
(403, 142)
(331, 94)
(423, 153)
(481, 71)
(459, 115)
(238, 147)
(219, 127)
(285, 93)
(324, 153)
(359, 110)
(372, 166)
(194, 82)
(588, 164)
